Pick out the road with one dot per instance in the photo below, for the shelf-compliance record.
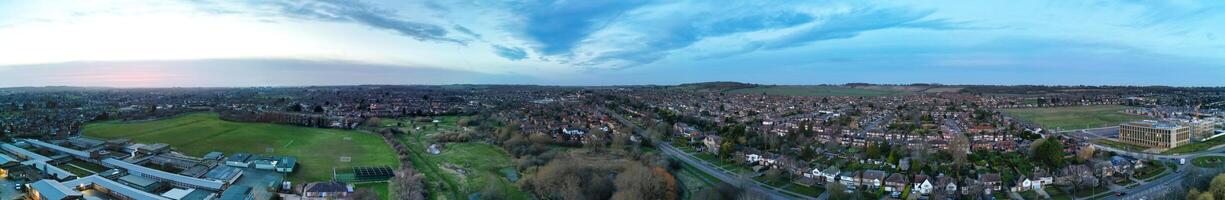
(759, 188)
(728, 177)
(1157, 187)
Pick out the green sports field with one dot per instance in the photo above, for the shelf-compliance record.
(816, 90)
(317, 149)
(1075, 117)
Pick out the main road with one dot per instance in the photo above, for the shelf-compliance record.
(1156, 187)
(754, 187)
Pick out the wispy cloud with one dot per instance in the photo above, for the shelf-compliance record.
(512, 53)
(362, 13)
(852, 23)
(656, 41)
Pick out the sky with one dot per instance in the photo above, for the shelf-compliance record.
(205, 43)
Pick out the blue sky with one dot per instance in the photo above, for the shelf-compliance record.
(596, 42)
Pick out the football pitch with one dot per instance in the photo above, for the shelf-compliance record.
(1075, 117)
(317, 149)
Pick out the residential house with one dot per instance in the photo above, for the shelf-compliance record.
(922, 185)
(830, 174)
(895, 183)
(1024, 184)
(872, 179)
(712, 143)
(849, 179)
(946, 185)
(327, 190)
(991, 181)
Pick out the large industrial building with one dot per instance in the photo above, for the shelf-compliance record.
(1154, 134)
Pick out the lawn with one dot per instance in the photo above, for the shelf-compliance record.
(1196, 146)
(380, 187)
(1075, 117)
(1208, 161)
(1120, 145)
(693, 180)
(1056, 193)
(1150, 172)
(815, 90)
(318, 150)
(484, 165)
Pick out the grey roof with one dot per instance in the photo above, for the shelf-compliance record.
(50, 169)
(6, 158)
(74, 152)
(326, 187)
(287, 162)
(38, 161)
(197, 195)
(201, 183)
(223, 172)
(138, 180)
(237, 192)
(24, 152)
(51, 189)
(213, 155)
(115, 187)
(238, 157)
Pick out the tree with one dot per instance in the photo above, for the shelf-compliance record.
(1049, 152)
(566, 179)
(958, 145)
(642, 182)
(1085, 153)
(722, 191)
(725, 149)
(837, 191)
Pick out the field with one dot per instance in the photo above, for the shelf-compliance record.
(815, 91)
(484, 166)
(382, 188)
(1196, 146)
(1077, 117)
(1209, 161)
(317, 150)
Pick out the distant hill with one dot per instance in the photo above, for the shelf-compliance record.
(714, 86)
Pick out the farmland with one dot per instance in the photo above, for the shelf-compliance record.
(816, 91)
(1077, 117)
(318, 150)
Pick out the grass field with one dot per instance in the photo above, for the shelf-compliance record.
(1120, 145)
(317, 149)
(1077, 117)
(1196, 146)
(815, 90)
(484, 165)
(1209, 161)
(380, 187)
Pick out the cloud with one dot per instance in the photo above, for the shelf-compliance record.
(358, 12)
(237, 72)
(557, 26)
(681, 32)
(512, 53)
(1164, 13)
(851, 23)
(467, 31)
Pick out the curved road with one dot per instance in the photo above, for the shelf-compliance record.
(729, 177)
(1158, 187)
(759, 188)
